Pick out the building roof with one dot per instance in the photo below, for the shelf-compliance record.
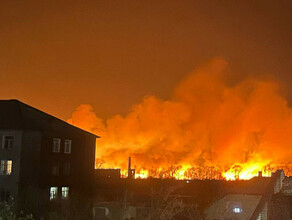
(15, 114)
(224, 207)
(254, 186)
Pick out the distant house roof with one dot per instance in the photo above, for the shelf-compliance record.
(231, 205)
(15, 114)
(253, 195)
(254, 186)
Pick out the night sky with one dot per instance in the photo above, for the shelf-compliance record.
(56, 55)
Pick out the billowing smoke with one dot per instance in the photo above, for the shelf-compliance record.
(209, 123)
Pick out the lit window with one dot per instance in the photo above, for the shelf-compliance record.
(56, 145)
(53, 192)
(65, 192)
(9, 167)
(237, 210)
(7, 142)
(6, 167)
(67, 148)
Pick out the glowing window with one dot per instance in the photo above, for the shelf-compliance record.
(56, 145)
(67, 148)
(65, 192)
(53, 192)
(9, 167)
(7, 142)
(6, 167)
(237, 210)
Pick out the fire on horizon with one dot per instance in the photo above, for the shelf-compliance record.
(131, 61)
(209, 129)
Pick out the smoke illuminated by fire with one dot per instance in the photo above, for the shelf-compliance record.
(211, 128)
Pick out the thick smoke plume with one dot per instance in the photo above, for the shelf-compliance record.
(209, 123)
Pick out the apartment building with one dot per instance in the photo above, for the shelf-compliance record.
(43, 159)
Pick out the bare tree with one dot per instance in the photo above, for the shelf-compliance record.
(76, 207)
(8, 212)
(164, 206)
(192, 213)
(98, 163)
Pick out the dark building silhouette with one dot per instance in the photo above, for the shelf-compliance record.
(257, 198)
(43, 158)
(101, 175)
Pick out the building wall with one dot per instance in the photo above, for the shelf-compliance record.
(10, 182)
(280, 176)
(105, 175)
(81, 178)
(287, 186)
(31, 195)
(32, 156)
(280, 207)
(81, 161)
(263, 215)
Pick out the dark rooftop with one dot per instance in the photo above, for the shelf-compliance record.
(15, 114)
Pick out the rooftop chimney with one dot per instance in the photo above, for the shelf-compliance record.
(129, 168)
(260, 174)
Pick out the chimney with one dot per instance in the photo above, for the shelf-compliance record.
(129, 168)
(260, 174)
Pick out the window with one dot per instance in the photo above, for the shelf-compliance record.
(4, 195)
(6, 167)
(66, 168)
(53, 192)
(55, 169)
(236, 210)
(7, 142)
(67, 148)
(56, 145)
(65, 192)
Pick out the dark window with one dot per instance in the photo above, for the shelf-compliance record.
(7, 142)
(66, 168)
(55, 169)
(4, 195)
(7, 195)
(56, 145)
(67, 147)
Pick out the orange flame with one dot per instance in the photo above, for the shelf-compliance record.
(211, 128)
